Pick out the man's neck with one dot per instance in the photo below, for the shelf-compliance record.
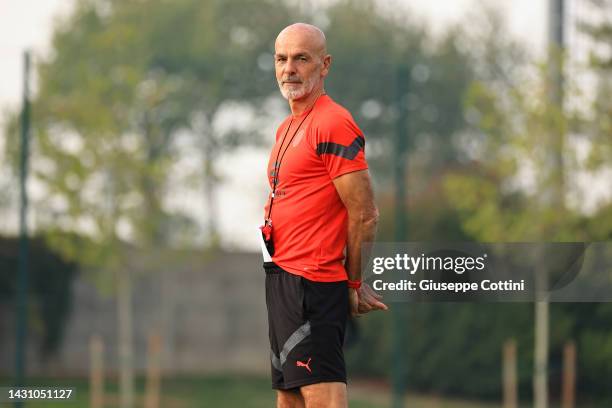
(300, 106)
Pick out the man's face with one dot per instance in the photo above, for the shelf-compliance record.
(299, 63)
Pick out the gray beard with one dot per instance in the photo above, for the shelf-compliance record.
(306, 88)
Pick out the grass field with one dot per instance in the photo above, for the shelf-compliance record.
(241, 391)
(233, 391)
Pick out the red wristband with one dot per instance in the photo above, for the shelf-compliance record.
(356, 284)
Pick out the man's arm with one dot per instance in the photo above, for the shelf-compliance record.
(355, 191)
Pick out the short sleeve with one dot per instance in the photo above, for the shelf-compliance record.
(340, 145)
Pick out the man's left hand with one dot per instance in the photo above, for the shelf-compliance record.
(364, 300)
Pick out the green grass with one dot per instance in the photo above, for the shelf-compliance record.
(232, 391)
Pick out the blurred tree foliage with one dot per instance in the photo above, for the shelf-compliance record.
(123, 86)
(509, 193)
(124, 79)
(596, 124)
(366, 62)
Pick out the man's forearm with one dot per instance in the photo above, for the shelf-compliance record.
(361, 235)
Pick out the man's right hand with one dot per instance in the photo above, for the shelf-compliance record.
(364, 300)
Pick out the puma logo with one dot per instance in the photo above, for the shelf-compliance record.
(306, 365)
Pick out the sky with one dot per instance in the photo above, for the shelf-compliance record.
(28, 24)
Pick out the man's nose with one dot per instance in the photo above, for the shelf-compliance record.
(290, 67)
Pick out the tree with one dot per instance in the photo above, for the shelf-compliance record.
(366, 57)
(520, 128)
(596, 124)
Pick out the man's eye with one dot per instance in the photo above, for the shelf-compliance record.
(302, 58)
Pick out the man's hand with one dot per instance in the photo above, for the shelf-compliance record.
(364, 300)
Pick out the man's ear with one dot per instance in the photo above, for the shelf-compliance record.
(326, 64)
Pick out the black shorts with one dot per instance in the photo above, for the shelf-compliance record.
(306, 322)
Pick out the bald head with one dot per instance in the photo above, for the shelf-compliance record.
(301, 61)
(307, 35)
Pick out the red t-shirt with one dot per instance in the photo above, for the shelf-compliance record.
(309, 221)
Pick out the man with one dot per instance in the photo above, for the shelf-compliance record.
(319, 213)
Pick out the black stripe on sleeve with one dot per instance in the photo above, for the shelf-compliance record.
(348, 152)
